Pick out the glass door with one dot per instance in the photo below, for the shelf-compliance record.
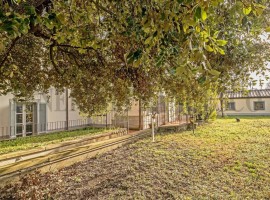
(29, 122)
(24, 119)
(19, 120)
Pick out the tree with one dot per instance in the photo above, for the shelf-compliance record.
(106, 51)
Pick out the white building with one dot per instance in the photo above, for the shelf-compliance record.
(253, 102)
(166, 112)
(47, 113)
(42, 114)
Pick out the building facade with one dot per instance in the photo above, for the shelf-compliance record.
(43, 113)
(140, 117)
(56, 111)
(253, 102)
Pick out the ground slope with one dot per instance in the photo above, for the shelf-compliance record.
(222, 160)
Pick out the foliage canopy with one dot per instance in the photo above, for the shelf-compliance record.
(110, 50)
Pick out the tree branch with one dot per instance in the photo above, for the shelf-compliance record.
(69, 46)
(100, 57)
(38, 33)
(8, 51)
(103, 8)
(71, 54)
(52, 59)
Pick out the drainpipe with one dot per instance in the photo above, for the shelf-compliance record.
(127, 122)
(140, 115)
(67, 119)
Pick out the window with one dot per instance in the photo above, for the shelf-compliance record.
(73, 105)
(259, 105)
(231, 106)
(24, 121)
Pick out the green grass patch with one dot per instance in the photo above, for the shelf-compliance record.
(246, 117)
(30, 142)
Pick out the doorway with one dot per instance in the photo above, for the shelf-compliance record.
(24, 119)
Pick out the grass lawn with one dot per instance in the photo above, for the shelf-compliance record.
(222, 160)
(29, 142)
(246, 117)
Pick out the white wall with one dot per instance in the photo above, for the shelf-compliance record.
(4, 110)
(245, 106)
(134, 110)
(56, 107)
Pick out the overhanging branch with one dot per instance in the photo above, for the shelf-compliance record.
(75, 47)
(52, 59)
(103, 8)
(8, 51)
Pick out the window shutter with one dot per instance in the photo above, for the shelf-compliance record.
(42, 117)
(12, 119)
(35, 118)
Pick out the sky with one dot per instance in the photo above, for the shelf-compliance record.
(265, 37)
(258, 77)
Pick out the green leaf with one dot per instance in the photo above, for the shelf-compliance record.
(137, 63)
(208, 48)
(267, 29)
(221, 42)
(216, 34)
(204, 15)
(214, 72)
(202, 79)
(11, 74)
(185, 27)
(198, 13)
(61, 18)
(247, 10)
(82, 51)
(146, 29)
(148, 40)
(258, 11)
(259, 5)
(180, 70)
(30, 10)
(132, 56)
(95, 46)
(221, 51)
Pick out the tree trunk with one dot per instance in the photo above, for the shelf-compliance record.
(221, 105)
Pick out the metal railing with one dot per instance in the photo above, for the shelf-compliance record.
(101, 121)
(111, 120)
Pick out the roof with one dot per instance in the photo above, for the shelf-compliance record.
(249, 94)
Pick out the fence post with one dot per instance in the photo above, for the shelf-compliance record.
(153, 127)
